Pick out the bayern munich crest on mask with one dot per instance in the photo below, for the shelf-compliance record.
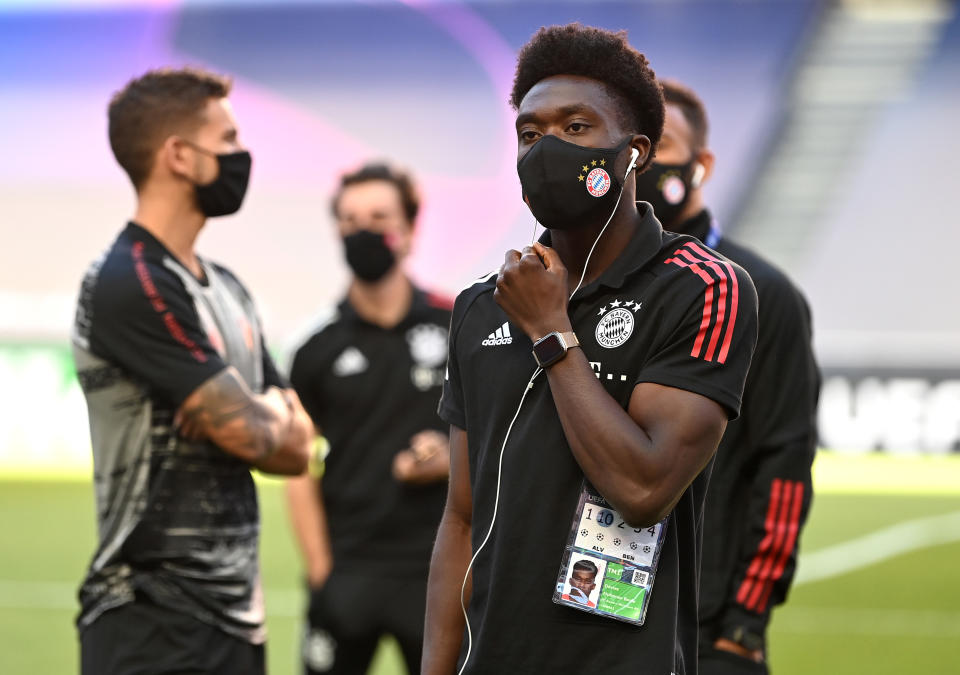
(615, 327)
(674, 190)
(598, 182)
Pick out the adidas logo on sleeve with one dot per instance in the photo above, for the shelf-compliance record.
(501, 336)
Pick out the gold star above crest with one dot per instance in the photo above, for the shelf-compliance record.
(580, 176)
(593, 163)
(585, 168)
(603, 162)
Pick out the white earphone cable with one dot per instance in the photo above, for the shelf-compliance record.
(493, 520)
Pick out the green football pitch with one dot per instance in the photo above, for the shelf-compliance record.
(878, 592)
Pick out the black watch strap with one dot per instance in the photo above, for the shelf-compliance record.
(745, 638)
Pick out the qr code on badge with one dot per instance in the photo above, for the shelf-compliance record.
(640, 578)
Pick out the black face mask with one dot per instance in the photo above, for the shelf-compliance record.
(225, 193)
(567, 185)
(368, 255)
(667, 187)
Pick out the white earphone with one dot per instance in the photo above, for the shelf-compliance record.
(698, 172)
(634, 156)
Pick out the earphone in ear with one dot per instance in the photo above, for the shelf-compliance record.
(698, 171)
(634, 156)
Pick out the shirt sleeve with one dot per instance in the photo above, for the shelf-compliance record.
(305, 376)
(780, 406)
(707, 330)
(146, 322)
(271, 376)
(451, 408)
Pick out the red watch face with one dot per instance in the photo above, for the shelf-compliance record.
(549, 349)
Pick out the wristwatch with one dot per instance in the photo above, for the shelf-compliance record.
(744, 637)
(553, 346)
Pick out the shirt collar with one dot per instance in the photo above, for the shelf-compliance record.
(640, 250)
(698, 226)
(140, 233)
(419, 306)
(156, 248)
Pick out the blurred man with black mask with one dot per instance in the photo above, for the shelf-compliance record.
(760, 491)
(370, 374)
(183, 397)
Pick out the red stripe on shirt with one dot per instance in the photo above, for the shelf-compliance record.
(746, 587)
(707, 302)
(779, 540)
(734, 300)
(793, 529)
(722, 303)
(156, 301)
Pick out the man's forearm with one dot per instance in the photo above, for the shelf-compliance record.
(609, 446)
(308, 517)
(444, 619)
(776, 510)
(266, 431)
(294, 441)
(643, 459)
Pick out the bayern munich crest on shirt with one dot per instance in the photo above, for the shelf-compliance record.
(598, 182)
(616, 324)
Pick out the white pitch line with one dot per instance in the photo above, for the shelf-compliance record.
(848, 621)
(877, 546)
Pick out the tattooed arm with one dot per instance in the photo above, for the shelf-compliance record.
(270, 431)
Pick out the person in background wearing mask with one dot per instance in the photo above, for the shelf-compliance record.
(183, 400)
(614, 376)
(761, 487)
(370, 375)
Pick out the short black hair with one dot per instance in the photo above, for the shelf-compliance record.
(586, 566)
(692, 107)
(409, 197)
(156, 105)
(602, 55)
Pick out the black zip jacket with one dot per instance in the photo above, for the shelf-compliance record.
(761, 487)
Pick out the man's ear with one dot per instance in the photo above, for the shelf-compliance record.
(176, 157)
(703, 168)
(643, 146)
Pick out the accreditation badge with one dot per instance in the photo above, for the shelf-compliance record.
(608, 567)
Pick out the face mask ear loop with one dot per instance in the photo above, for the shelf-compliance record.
(633, 162)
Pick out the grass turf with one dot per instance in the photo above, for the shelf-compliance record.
(900, 615)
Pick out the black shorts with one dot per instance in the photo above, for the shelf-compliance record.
(140, 638)
(349, 615)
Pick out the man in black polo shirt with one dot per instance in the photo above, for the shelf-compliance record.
(370, 374)
(761, 486)
(666, 330)
(183, 400)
